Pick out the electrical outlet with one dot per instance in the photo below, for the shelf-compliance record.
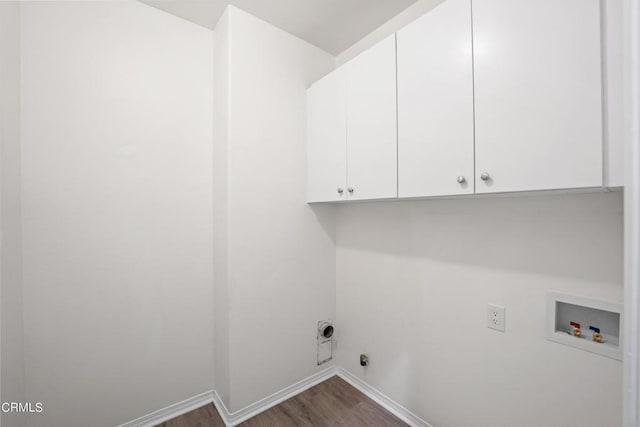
(495, 317)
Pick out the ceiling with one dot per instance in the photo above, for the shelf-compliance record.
(332, 25)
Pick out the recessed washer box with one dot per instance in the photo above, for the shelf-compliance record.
(562, 309)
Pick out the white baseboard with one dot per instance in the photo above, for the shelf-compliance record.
(171, 411)
(383, 400)
(221, 408)
(234, 418)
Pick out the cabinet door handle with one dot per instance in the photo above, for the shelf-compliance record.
(350, 190)
(461, 179)
(340, 191)
(485, 176)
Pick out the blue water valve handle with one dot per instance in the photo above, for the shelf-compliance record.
(594, 329)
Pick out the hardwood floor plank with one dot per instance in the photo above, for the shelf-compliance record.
(205, 416)
(332, 403)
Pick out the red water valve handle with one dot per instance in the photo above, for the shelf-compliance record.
(577, 325)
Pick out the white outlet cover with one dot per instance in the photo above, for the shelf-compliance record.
(495, 317)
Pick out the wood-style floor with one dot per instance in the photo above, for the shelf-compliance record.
(331, 403)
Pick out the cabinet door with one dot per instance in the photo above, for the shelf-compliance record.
(537, 94)
(435, 103)
(327, 138)
(371, 123)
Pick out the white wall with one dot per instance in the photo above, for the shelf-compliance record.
(12, 372)
(117, 210)
(631, 84)
(413, 283)
(279, 254)
(221, 41)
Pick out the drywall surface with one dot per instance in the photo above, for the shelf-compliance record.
(221, 41)
(413, 283)
(332, 25)
(117, 210)
(631, 85)
(12, 373)
(279, 254)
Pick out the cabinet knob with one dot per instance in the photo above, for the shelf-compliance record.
(340, 191)
(461, 179)
(485, 176)
(350, 190)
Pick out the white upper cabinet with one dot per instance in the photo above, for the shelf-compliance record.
(538, 106)
(371, 123)
(489, 96)
(327, 138)
(435, 103)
